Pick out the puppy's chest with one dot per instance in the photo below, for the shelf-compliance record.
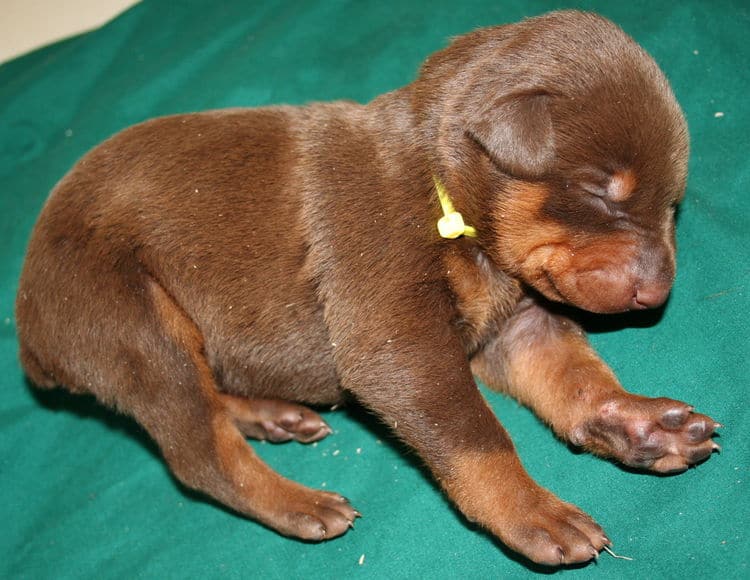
(483, 295)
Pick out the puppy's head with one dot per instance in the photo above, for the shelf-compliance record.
(562, 141)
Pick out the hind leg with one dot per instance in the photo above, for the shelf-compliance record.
(176, 400)
(214, 458)
(275, 420)
(219, 463)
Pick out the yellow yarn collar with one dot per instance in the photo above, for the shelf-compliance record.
(451, 225)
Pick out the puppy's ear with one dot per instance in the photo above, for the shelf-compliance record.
(516, 132)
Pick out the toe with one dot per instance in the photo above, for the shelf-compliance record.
(312, 429)
(699, 428)
(593, 531)
(558, 544)
(320, 516)
(275, 433)
(336, 523)
(670, 464)
(540, 547)
(576, 546)
(675, 417)
(341, 505)
(304, 425)
(306, 527)
(701, 452)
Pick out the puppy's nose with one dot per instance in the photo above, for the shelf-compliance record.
(650, 295)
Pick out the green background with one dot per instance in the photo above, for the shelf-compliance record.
(83, 491)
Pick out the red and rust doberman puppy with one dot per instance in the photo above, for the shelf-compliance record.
(209, 273)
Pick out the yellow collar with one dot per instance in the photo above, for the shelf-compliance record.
(451, 225)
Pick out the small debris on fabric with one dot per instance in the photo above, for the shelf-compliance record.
(611, 553)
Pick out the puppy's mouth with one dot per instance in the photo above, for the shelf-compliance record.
(603, 286)
(606, 273)
(602, 299)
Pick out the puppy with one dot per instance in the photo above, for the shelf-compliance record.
(209, 273)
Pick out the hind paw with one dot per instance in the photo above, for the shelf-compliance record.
(275, 420)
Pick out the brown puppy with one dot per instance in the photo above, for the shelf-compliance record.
(201, 272)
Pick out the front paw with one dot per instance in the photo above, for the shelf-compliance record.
(550, 531)
(494, 491)
(659, 434)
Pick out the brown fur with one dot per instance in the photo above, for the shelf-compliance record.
(205, 273)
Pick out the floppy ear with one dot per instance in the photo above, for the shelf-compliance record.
(516, 132)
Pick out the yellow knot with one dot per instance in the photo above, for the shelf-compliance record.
(451, 225)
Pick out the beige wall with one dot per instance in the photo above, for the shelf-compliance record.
(29, 24)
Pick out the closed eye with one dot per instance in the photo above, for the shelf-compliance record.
(597, 197)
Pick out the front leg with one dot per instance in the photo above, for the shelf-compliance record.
(404, 361)
(544, 361)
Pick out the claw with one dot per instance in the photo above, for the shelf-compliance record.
(716, 447)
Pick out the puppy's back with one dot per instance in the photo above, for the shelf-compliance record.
(206, 204)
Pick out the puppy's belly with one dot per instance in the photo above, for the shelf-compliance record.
(263, 329)
(314, 382)
(292, 361)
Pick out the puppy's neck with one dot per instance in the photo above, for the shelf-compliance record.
(484, 295)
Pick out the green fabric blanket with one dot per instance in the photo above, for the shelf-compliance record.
(84, 492)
